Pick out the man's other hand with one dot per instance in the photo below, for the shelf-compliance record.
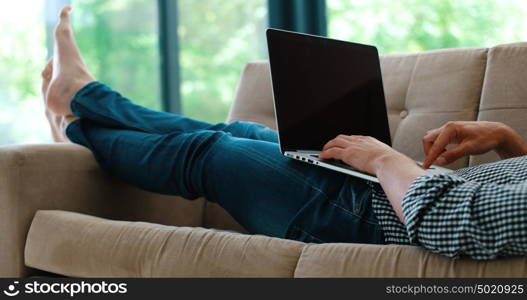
(469, 138)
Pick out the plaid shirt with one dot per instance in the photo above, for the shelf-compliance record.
(480, 212)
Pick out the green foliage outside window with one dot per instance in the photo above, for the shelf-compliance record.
(22, 56)
(217, 38)
(119, 42)
(417, 25)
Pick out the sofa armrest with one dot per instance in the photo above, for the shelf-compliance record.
(67, 177)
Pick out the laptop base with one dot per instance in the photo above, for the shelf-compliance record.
(311, 157)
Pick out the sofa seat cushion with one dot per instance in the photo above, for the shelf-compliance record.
(78, 245)
(359, 260)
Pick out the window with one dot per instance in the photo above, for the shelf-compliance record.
(415, 25)
(121, 51)
(216, 39)
(119, 42)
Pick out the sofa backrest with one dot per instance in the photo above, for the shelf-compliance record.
(424, 91)
(504, 92)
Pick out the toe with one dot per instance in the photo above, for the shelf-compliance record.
(46, 77)
(65, 13)
(63, 28)
(48, 70)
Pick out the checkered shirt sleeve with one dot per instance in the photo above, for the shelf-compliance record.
(480, 212)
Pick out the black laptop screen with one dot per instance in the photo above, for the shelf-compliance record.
(324, 88)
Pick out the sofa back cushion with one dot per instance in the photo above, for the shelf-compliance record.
(504, 94)
(426, 90)
(254, 96)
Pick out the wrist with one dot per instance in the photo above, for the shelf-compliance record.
(511, 144)
(390, 160)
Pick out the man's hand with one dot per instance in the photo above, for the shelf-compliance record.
(394, 170)
(470, 138)
(364, 153)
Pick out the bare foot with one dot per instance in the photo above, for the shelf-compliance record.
(69, 73)
(57, 123)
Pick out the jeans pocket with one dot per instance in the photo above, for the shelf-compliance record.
(355, 198)
(298, 234)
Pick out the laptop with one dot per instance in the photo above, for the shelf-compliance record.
(322, 88)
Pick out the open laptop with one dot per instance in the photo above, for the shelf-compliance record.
(322, 88)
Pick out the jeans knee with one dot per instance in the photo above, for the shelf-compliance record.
(239, 128)
(193, 151)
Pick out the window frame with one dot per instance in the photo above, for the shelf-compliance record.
(169, 55)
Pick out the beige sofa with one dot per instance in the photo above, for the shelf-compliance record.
(50, 194)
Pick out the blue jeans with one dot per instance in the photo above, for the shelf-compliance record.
(237, 165)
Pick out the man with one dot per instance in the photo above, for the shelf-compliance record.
(480, 211)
